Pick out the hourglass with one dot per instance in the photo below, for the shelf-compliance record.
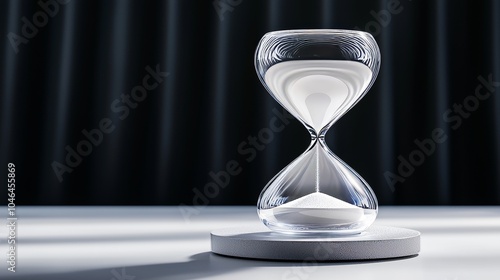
(318, 76)
(317, 207)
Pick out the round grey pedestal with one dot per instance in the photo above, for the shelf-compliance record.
(377, 242)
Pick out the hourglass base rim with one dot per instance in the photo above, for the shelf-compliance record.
(258, 242)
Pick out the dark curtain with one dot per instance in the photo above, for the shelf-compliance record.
(157, 102)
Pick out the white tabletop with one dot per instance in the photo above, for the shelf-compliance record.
(134, 243)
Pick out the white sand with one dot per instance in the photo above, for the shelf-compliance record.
(318, 200)
(318, 90)
(316, 209)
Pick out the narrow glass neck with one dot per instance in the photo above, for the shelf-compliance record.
(318, 141)
(318, 136)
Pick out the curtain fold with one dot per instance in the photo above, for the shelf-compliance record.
(157, 102)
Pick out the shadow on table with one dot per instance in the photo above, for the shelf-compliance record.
(199, 266)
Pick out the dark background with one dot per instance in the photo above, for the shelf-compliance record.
(68, 75)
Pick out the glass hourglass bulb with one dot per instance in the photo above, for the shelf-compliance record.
(317, 75)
